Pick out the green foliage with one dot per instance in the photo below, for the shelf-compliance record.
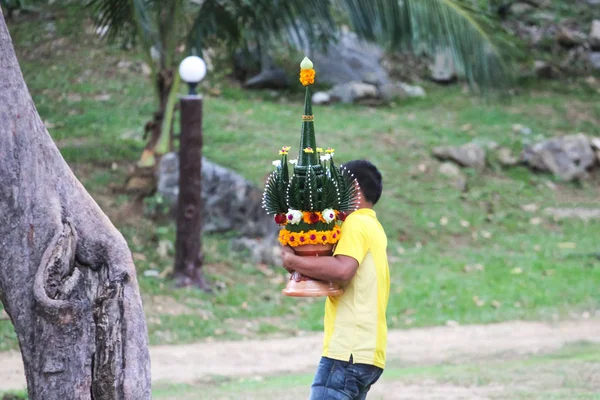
(474, 36)
(313, 190)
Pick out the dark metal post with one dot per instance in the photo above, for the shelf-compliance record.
(188, 244)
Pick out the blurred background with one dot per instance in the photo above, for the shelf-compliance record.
(483, 116)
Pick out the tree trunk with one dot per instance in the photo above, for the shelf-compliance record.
(67, 278)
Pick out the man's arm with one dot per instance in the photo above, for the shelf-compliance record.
(338, 269)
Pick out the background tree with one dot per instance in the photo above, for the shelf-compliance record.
(67, 278)
(463, 26)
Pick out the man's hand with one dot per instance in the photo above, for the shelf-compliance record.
(287, 256)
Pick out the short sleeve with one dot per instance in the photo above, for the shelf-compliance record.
(354, 241)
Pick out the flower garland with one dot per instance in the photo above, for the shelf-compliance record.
(288, 238)
(294, 217)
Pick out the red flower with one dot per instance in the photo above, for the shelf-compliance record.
(342, 215)
(313, 236)
(324, 238)
(280, 219)
(292, 238)
(314, 218)
(302, 238)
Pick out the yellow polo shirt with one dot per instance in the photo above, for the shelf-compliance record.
(355, 322)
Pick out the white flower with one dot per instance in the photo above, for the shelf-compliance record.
(328, 215)
(277, 163)
(326, 157)
(294, 216)
(294, 161)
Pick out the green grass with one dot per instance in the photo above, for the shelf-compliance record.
(570, 372)
(102, 140)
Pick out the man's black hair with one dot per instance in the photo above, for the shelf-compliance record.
(368, 177)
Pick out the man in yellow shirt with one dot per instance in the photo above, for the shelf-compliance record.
(355, 324)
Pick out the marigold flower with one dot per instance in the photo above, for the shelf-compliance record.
(311, 217)
(319, 149)
(309, 150)
(307, 76)
(329, 150)
(282, 153)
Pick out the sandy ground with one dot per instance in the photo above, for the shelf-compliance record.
(194, 362)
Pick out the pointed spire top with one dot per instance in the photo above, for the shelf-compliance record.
(306, 153)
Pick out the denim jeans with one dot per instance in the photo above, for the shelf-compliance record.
(341, 380)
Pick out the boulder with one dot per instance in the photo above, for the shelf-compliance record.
(569, 38)
(594, 59)
(230, 201)
(468, 155)
(594, 37)
(400, 90)
(585, 214)
(449, 169)
(349, 59)
(567, 157)
(321, 98)
(506, 157)
(543, 70)
(353, 91)
(443, 69)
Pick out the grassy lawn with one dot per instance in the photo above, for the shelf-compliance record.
(570, 373)
(528, 265)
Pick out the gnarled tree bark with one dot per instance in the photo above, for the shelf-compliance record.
(67, 278)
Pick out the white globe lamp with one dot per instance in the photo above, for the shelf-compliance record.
(192, 70)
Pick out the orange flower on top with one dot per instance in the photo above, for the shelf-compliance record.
(307, 76)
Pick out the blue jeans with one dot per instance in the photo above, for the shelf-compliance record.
(341, 380)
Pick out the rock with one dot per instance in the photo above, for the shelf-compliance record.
(353, 91)
(569, 38)
(521, 129)
(400, 90)
(262, 251)
(521, 8)
(348, 59)
(443, 69)
(321, 98)
(567, 157)
(467, 155)
(594, 59)
(145, 69)
(594, 37)
(595, 142)
(102, 97)
(413, 90)
(392, 90)
(271, 78)
(543, 70)
(449, 169)
(566, 213)
(506, 157)
(73, 98)
(124, 64)
(230, 201)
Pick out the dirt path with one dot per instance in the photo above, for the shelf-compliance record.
(193, 362)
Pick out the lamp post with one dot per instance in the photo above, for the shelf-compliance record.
(188, 244)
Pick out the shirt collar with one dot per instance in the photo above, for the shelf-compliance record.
(366, 211)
